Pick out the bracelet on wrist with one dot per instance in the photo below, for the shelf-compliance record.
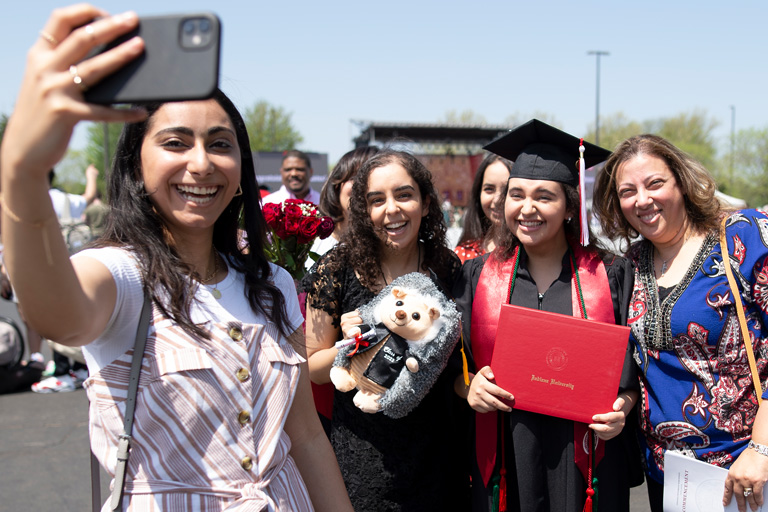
(759, 448)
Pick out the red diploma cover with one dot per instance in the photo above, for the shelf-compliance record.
(558, 365)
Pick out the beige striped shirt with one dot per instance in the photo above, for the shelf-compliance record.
(208, 431)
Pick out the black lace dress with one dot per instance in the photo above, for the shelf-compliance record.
(415, 463)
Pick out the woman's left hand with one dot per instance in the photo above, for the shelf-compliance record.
(609, 425)
(747, 475)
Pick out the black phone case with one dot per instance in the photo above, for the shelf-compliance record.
(169, 69)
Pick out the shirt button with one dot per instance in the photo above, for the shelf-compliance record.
(243, 374)
(235, 333)
(244, 417)
(246, 463)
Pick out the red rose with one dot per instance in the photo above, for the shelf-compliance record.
(293, 211)
(325, 228)
(291, 226)
(272, 214)
(294, 201)
(279, 230)
(308, 229)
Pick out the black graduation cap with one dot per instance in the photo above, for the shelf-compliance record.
(542, 152)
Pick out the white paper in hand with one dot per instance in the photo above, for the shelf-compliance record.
(694, 486)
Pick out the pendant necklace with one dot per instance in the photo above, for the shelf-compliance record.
(418, 260)
(664, 266)
(215, 292)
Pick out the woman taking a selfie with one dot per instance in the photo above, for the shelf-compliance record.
(539, 264)
(695, 376)
(395, 228)
(224, 415)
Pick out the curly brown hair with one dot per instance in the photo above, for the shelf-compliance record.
(361, 247)
(698, 187)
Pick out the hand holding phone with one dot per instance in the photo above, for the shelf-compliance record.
(180, 62)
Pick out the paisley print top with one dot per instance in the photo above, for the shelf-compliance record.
(696, 388)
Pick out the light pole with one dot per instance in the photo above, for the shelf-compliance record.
(597, 54)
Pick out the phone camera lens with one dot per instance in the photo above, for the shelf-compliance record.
(189, 27)
(205, 25)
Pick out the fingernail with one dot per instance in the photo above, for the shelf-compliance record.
(127, 16)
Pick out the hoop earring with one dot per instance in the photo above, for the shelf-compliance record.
(239, 191)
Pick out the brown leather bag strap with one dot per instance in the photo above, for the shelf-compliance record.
(740, 312)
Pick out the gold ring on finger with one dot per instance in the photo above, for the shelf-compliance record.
(77, 79)
(747, 492)
(48, 37)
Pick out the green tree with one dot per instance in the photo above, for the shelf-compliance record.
(93, 153)
(270, 128)
(691, 132)
(3, 122)
(70, 172)
(743, 173)
(465, 117)
(614, 129)
(519, 118)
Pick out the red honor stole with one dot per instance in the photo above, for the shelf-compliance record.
(493, 290)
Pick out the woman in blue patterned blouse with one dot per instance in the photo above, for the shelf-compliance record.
(697, 395)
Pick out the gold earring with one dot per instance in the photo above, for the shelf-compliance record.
(239, 191)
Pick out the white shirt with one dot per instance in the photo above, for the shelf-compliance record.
(120, 333)
(77, 203)
(283, 193)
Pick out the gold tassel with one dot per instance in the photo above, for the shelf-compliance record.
(464, 364)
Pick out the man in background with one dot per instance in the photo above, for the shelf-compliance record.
(295, 172)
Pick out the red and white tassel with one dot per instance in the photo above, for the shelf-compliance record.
(584, 221)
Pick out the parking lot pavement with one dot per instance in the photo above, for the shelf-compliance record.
(44, 453)
(45, 457)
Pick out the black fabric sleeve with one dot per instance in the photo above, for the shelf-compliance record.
(464, 293)
(621, 281)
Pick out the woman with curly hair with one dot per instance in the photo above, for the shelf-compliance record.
(395, 227)
(483, 211)
(335, 194)
(697, 394)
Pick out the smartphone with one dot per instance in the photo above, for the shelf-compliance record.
(180, 62)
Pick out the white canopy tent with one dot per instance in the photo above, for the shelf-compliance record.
(730, 200)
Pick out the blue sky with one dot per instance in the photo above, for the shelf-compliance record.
(412, 61)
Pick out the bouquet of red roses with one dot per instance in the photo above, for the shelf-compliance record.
(294, 224)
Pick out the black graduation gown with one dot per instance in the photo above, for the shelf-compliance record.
(539, 455)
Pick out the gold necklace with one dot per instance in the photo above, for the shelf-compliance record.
(215, 292)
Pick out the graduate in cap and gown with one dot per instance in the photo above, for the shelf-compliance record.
(544, 259)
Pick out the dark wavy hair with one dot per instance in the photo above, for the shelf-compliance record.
(506, 241)
(476, 224)
(701, 206)
(134, 223)
(361, 246)
(345, 170)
